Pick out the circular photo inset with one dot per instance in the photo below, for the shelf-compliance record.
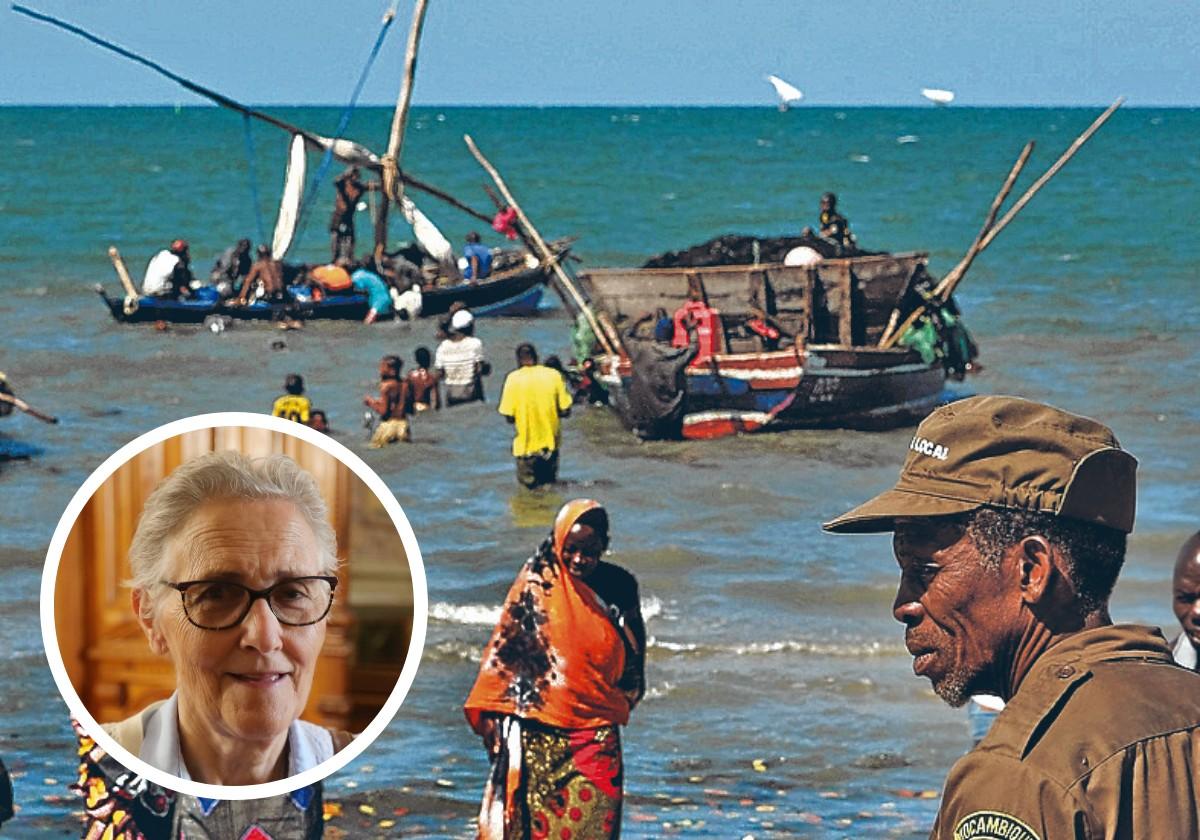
(233, 606)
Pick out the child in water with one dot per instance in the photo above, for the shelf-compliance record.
(293, 405)
(390, 405)
(423, 390)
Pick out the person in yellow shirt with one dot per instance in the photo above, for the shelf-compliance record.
(534, 400)
(293, 405)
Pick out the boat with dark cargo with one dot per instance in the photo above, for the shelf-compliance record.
(783, 346)
(799, 337)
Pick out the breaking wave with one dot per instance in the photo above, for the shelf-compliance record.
(486, 615)
(854, 650)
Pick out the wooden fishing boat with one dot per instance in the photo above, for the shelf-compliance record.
(511, 292)
(514, 288)
(827, 372)
(843, 316)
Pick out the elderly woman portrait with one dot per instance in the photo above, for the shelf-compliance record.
(559, 676)
(234, 573)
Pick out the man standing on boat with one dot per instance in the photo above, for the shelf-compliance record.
(348, 191)
(834, 226)
(169, 272)
(1009, 524)
(534, 400)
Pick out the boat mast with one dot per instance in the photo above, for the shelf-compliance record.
(393, 183)
(343, 150)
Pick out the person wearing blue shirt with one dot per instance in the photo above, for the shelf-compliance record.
(478, 257)
(366, 280)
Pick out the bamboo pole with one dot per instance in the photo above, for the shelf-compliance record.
(547, 255)
(122, 272)
(973, 251)
(13, 399)
(392, 182)
(946, 288)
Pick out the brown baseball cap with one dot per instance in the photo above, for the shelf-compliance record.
(1010, 453)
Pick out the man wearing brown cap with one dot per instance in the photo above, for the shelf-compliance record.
(1009, 523)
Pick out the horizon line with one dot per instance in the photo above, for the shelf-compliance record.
(696, 105)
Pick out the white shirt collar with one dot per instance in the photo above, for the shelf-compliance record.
(308, 744)
(1184, 652)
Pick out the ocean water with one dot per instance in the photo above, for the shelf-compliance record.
(781, 699)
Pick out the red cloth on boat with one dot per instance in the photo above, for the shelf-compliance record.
(708, 328)
(505, 222)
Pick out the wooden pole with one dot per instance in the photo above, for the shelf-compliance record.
(393, 184)
(122, 272)
(976, 246)
(572, 294)
(13, 399)
(946, 288)
(315, 141)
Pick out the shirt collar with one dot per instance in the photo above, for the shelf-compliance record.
(1184, 652)
(308, 745)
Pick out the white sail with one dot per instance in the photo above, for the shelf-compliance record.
(938, 96)
(349, 152)
(289, 206)
(788, 94)
(428, 236)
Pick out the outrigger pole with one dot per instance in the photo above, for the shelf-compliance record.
(345, 151)
(565, 287)
(14, 400)
(945, 288)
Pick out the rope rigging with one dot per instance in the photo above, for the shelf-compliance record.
(344, 122)
(253, 176)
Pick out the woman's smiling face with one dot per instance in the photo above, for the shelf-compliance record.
(251, 681)
(582, 549)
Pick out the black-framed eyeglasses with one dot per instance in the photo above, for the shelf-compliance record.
(221, 604)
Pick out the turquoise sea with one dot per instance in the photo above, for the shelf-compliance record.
(781, 699)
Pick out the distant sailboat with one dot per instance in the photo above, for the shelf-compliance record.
(938, 96)
(788, 94)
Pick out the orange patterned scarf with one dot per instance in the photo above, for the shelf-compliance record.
(555, 656)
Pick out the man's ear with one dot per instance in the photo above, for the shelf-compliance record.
(143, 608)
(1035, 558)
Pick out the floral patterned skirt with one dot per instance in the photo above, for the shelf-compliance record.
(554, 784)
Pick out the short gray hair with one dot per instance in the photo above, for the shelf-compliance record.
(1093, 553)
(224, 475)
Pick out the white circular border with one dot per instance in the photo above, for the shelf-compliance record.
(415, 566)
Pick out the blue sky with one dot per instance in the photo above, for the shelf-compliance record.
(621, 52)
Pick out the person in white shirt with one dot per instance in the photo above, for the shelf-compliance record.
(169, 272)
(460, 362)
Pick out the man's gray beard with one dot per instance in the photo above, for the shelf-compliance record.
(953, 688)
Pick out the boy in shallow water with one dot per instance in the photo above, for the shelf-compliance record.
(390, 405)
(423, 390)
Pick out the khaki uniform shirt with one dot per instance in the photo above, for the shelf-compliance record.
(1101, 741)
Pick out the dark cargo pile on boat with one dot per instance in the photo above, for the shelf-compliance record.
(735, 249)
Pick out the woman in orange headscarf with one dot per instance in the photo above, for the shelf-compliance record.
(561, 672)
